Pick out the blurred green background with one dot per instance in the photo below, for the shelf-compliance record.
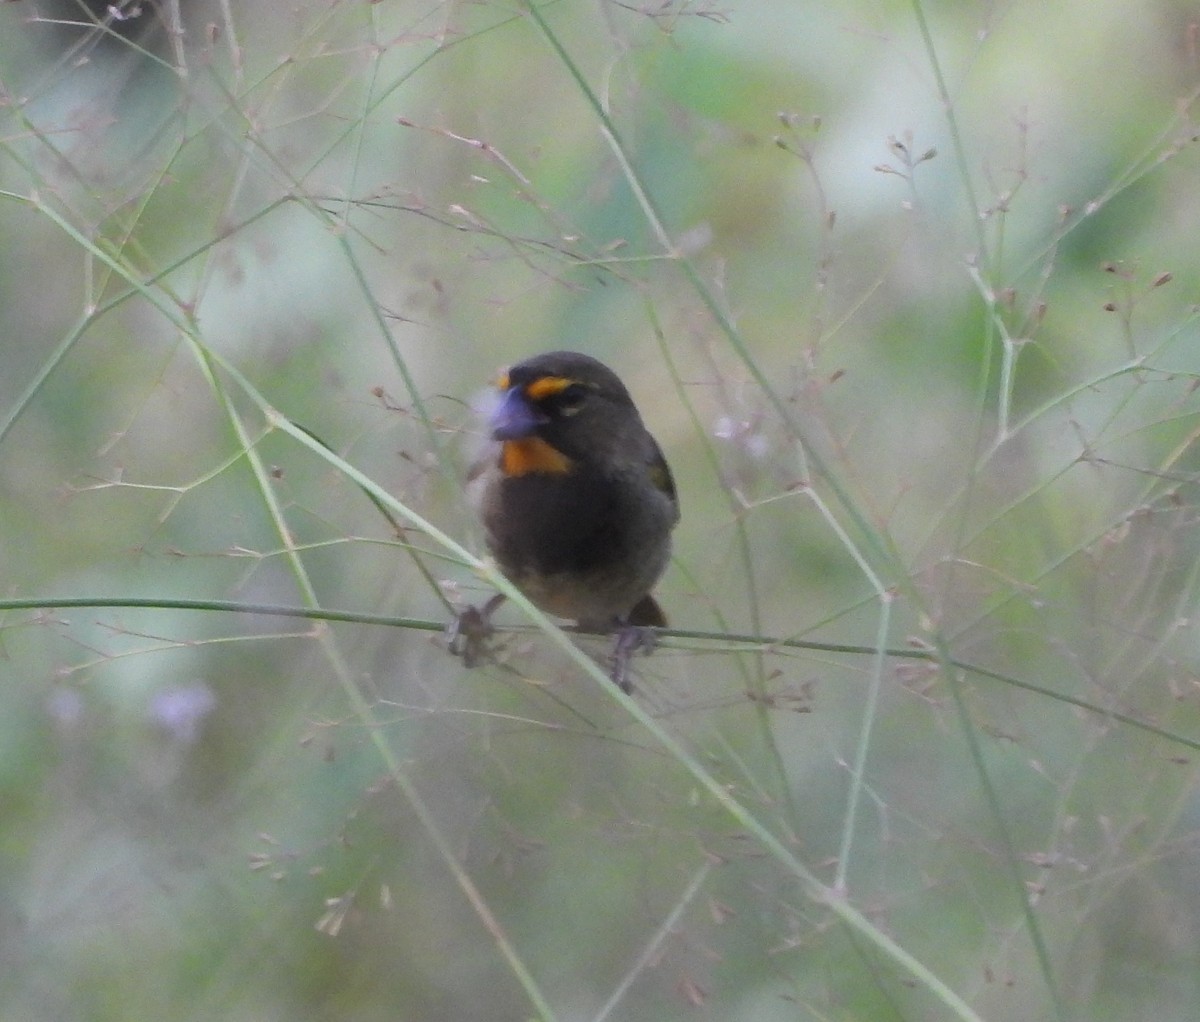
(908, 294)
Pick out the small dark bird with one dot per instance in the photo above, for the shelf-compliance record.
(577, 503)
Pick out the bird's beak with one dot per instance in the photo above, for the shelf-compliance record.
(515, 416)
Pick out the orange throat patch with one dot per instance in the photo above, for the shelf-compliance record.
(531, 454)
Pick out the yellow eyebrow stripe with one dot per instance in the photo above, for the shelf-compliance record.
(547, 386)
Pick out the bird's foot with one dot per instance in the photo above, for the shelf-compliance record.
(630, 639)
(468, 633)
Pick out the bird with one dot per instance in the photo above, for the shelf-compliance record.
(577, 504)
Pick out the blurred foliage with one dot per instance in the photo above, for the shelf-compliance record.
(924, 363)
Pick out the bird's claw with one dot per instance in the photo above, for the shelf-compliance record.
(629, 640)
(468, 633)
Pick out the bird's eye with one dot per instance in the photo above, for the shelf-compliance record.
(570, 399)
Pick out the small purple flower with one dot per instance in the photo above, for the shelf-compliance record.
(65, 706)
(180, 709)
